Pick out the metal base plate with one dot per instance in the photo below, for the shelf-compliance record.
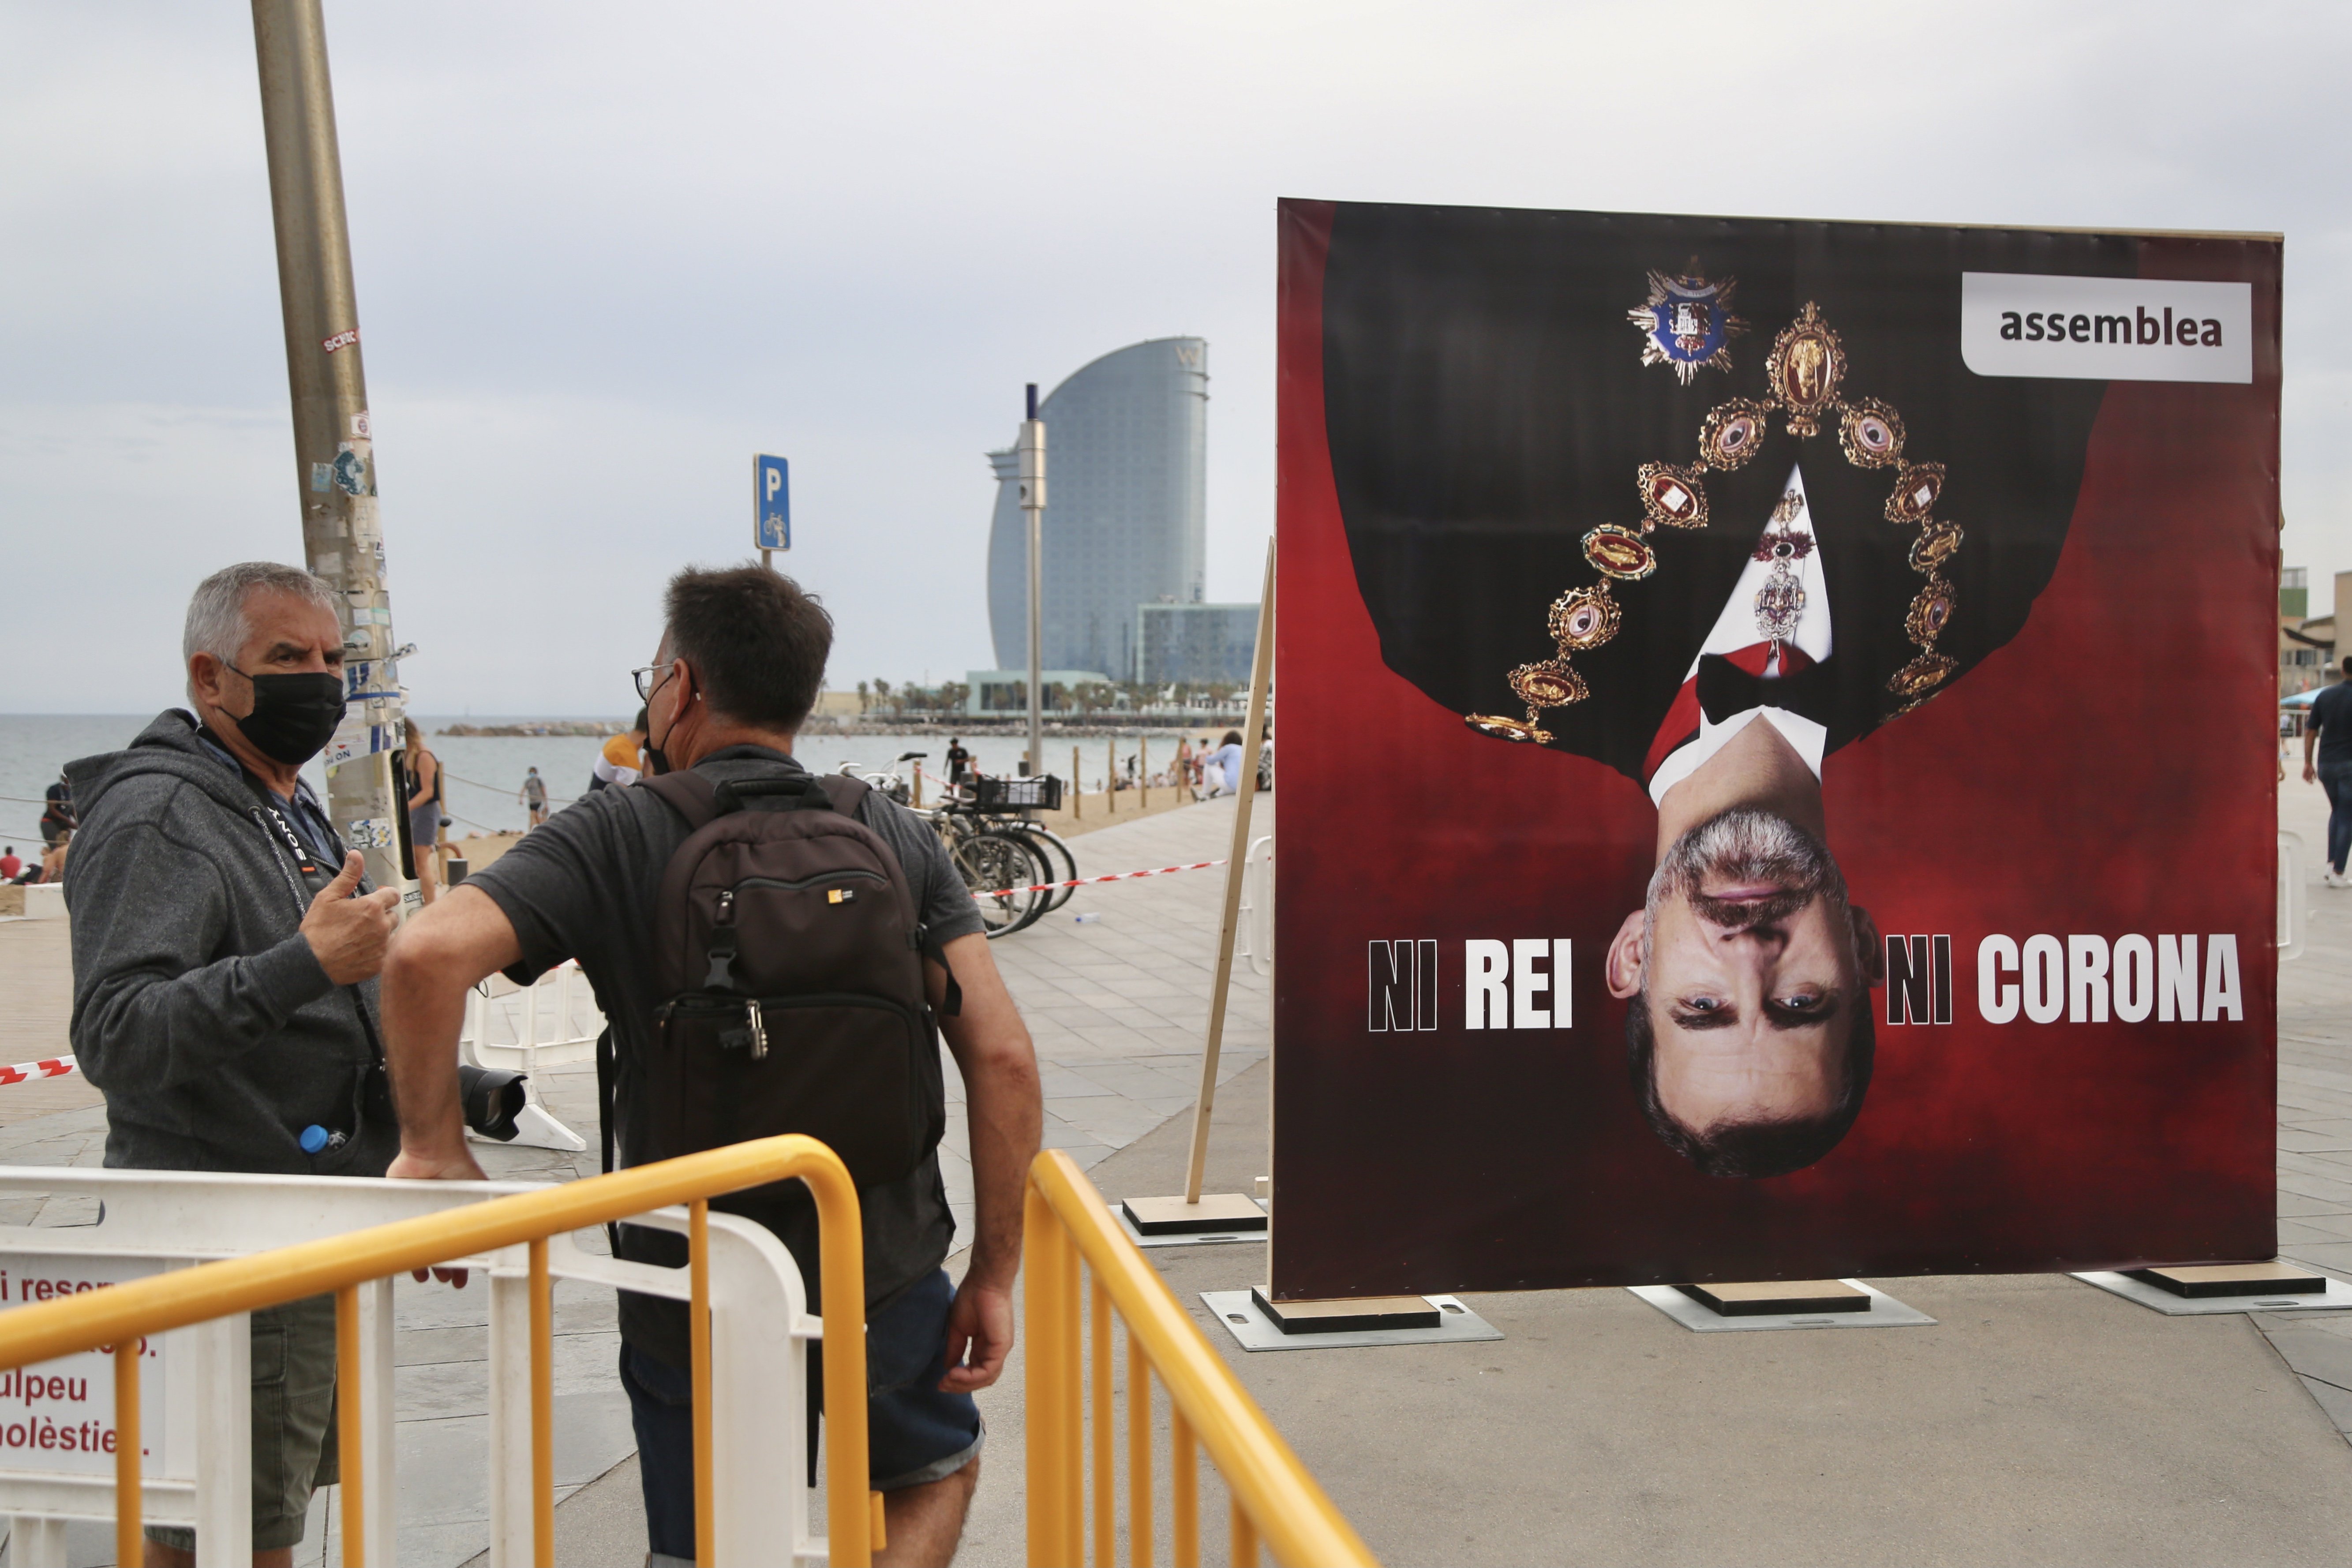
(1885, 1312)
(1184, 1237)
(1254, 1331)
(2337, 1297)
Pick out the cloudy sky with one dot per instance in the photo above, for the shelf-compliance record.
(605, 252)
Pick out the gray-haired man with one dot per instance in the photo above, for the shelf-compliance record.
(226, 950)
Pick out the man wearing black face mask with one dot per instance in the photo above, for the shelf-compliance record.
(225, 951)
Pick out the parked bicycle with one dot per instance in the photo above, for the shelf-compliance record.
(1001, 860)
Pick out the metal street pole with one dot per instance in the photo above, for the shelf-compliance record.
(1031, 451)
(334, 457)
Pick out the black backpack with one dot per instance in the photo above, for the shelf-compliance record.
(787, 946)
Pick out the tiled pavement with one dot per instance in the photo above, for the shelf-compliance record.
(2315, 1114)
(1119, 1002)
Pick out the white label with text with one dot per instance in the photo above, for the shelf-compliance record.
(2106, 329)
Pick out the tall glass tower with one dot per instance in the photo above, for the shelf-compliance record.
(1126, 523)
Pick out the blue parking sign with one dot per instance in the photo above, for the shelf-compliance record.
(772, 504)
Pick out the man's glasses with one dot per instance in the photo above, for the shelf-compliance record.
(646, 684)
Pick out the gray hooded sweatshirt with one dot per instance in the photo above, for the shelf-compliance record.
(199, 1009)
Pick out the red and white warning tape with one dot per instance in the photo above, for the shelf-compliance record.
(49, 1067)
(1082, 881)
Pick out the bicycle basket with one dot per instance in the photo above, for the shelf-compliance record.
(1017, 794)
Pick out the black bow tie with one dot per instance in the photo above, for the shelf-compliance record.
(1725, 690)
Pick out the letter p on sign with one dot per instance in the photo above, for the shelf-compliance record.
(772, 504)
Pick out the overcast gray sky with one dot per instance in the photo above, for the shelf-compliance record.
(604, 252)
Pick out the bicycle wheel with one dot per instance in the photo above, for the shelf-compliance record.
(999, 868)
(1049, 844)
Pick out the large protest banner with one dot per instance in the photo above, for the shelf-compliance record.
(1778, 749)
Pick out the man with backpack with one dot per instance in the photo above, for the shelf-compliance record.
(774, 950)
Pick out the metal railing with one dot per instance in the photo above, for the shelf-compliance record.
(1274, 1499)
(119, 1318)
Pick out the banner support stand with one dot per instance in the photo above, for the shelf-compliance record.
(1221, 1213)
(2198, 1289)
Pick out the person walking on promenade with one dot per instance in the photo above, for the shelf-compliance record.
(533, 795)
(739, 663)
(226, 948)
(623, 759)
(959, 761)
(2329, 729)
(424, 793)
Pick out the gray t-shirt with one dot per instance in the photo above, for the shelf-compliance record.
(584, 886)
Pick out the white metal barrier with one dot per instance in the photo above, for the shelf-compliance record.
(2291, 895)
(525, 1028)
(1255, 938)
(195, 1399)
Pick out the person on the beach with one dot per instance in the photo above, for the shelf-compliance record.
(533, 795)
(56, 811)
(1225, 765)
(424, 793)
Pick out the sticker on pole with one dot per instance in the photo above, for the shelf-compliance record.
(772, 504)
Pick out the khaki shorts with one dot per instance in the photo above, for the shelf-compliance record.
(293, 1422)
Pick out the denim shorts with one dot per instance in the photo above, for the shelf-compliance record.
(914, 1433)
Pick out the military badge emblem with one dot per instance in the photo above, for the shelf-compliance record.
(1687, 322)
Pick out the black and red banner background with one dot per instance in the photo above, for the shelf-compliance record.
(2108, 770)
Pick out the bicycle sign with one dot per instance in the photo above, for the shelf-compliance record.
(772, 504)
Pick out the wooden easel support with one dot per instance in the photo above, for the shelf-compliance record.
(1222, 1212)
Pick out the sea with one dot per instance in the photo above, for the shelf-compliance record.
(485, 771)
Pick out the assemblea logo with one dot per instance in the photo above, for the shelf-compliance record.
(2140, 328)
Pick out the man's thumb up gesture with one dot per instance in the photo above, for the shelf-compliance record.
(348, 935)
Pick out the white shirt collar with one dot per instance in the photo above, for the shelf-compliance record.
(1743, 625)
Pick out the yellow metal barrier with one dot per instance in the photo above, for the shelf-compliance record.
(119, 1317)
(1274, 1499)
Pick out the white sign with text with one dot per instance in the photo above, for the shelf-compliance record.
(60, 1415)
(2106, 329)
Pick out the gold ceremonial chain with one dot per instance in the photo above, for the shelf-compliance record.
(1807, 364)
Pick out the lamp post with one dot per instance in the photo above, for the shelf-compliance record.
(1031, 452)
(335, 455)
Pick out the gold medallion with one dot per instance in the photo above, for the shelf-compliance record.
(1937, 543)
(1620, 552)
(1916, 490)
(1527, 732)
(1931, 612)
(1923, 674)
(1803, 372)
(1671, 497)
(1872, 433)
(1548, 683)
(1732, 433)
(1584, 618)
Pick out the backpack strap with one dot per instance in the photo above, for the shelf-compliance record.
(687, 792)
(607, 1067)
(847, 794)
